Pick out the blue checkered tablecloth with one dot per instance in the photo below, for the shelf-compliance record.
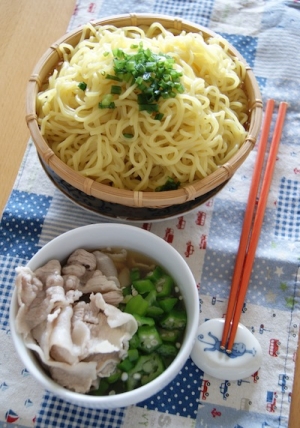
(267, 33)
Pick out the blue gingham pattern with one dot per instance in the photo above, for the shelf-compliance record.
(57, 413)
(196, 11)
(288, 209)
(7, 280)
(267, 34)
(245, 44)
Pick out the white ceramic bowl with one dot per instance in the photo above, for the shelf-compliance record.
(130, 237)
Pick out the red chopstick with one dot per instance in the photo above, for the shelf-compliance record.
(252, 224)
(248, 219)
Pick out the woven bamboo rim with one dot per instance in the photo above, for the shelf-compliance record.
(127, 197)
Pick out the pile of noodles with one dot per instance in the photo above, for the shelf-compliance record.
(201, 128)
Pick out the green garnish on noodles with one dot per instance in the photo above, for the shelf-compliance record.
(82, 86)
(154, 75)
(170, 184)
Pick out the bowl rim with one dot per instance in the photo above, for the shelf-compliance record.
(124, 196)
(131, 215)
(143, 392)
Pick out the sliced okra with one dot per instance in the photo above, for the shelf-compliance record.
(143, 286)
(147, 368)
(149, 338)
(167, 303)
(174, 319)
(164, 285)
(136, 305)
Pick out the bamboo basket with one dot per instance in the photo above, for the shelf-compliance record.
(129, 198)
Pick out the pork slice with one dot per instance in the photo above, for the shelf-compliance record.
(78, 378)
(36, 300)
(105, 264)
(106, 363)
(117, 326)
(84, 258)
(52, 268)
(31, 298)
(61, 346)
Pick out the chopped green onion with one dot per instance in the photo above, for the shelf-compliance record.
(126, 135)
(158, 116)
(118, 53)
(112, 77)
(107, 102)
(115, 90)
(170, 184)
(82, 86)
(110, 105)
(148, 107)
(143, 98)
(152, 73)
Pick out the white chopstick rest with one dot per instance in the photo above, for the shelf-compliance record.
(244, 360)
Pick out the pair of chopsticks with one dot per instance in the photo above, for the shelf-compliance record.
(252, 222)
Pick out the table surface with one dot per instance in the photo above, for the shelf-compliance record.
(48, 22)
(17, 23)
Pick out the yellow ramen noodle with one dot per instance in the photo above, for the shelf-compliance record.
(201, 128)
